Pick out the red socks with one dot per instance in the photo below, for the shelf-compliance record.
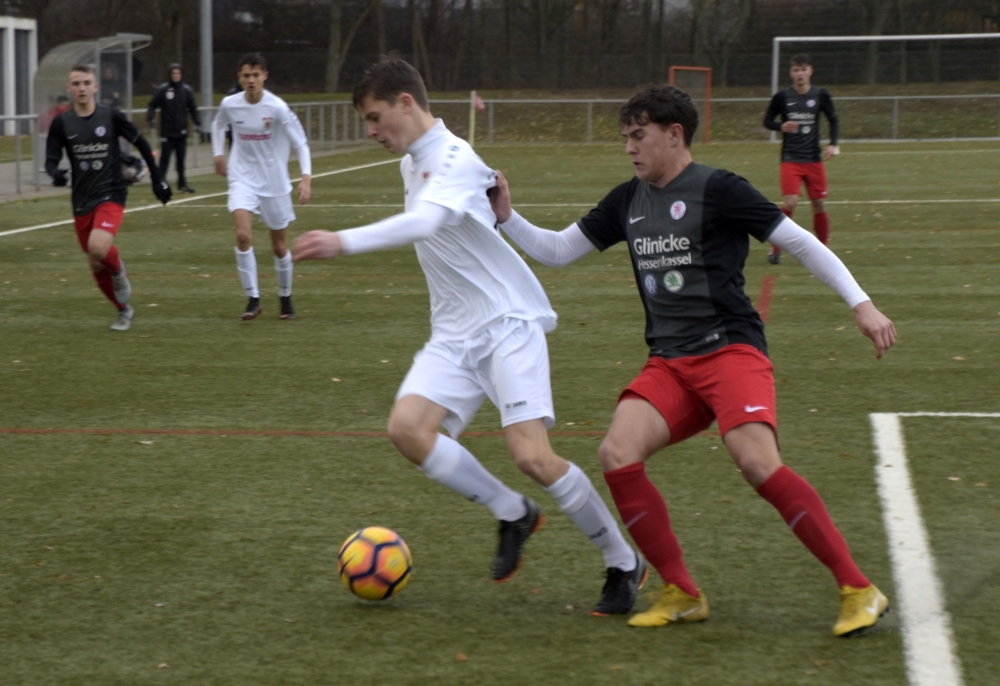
(644, 513)
(107, 286)
(804, 512)
(821, 227)
(111, 261)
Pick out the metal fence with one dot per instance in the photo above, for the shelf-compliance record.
(334, 125)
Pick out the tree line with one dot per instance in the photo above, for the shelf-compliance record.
(491, 44)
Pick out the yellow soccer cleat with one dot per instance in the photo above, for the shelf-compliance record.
(673, 605)
(860, 608)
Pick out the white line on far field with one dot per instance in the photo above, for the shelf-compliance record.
(926, 625)
(192, 199)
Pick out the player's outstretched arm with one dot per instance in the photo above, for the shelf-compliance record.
(402, 229)
(828, 268)
(551, 248)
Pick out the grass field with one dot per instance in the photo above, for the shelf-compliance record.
(172, 498)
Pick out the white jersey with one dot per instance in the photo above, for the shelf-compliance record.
(474, 276)
(262, 136)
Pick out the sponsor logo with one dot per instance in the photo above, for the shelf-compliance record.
(678, 210)
(267, 123)
(81, 148)
(254, 136)
(660, 244)
(649, 283)
(805, 116)
(100, 130)
(633, 221)
(750, 409)
(810, 103)
(97, 164)
(603, 530)
(519, 403)
(673, 281)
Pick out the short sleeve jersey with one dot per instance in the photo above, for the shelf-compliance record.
(91, 143)
(689, 242)
(475, 278)
(263, 134)
(804, 108)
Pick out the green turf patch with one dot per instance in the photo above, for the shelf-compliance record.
(215, 554)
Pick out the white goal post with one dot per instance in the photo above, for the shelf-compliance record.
(776, 68)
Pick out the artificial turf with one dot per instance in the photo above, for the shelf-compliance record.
(207, 554)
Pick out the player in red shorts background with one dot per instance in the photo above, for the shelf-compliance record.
(89, 133)
(687, 227)
(798, 107)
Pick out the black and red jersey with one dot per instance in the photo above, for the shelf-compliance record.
(804, 108)
(91, 143)
(689, 242)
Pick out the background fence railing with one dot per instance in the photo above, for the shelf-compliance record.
(334, 125)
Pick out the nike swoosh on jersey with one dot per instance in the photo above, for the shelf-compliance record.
(633, 221)
(69, 138)
(750, 409)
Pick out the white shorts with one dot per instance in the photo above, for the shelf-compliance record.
(508, 363)
(276, 212)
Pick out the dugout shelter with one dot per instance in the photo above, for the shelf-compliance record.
(112, 59)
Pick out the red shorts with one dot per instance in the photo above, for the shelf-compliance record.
(812, 174)
(106, 217)
(734, 384)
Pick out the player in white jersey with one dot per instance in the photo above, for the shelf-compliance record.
(264, 129)
(489, 316)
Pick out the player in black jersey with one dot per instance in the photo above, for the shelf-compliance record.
(89, 133)
(798, 107)
(687, 227)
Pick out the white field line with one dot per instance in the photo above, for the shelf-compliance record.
(852, 153)
(155, 206)
(926, 625)
(943, 201)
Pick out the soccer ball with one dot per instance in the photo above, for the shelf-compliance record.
(374, 563)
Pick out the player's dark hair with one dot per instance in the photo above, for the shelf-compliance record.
(389, 78)
(85, 68)
(663, 105)
(253, 59)
(801, 60)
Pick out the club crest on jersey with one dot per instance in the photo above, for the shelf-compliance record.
(678, 210)
(649, 283)
(267, 123)
(170, 94)
(810, 103)
(426, 175)
(673, 281)
(100, 130)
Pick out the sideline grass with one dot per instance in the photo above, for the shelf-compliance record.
(227, 535)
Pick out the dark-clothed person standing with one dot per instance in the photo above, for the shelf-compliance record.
(175, 100)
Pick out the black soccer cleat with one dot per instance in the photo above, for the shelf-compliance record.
(774, 258)
(621, 589)
(186, 189)
(253, 309)
(287, 309)
(512, 538)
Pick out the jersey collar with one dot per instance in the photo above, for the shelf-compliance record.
(421, 147)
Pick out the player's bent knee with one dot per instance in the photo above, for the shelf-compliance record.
(613, 456)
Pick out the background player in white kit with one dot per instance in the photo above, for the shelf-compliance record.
(263, 128)
(489, 316)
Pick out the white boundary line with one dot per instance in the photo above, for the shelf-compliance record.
(192, 199)
(926, 624)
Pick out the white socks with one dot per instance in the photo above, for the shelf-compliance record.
(578, 498)
(283, 272)
(451, 465)
(246, 266)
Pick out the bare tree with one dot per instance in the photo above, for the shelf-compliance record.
(340, 42)
(718, 26)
